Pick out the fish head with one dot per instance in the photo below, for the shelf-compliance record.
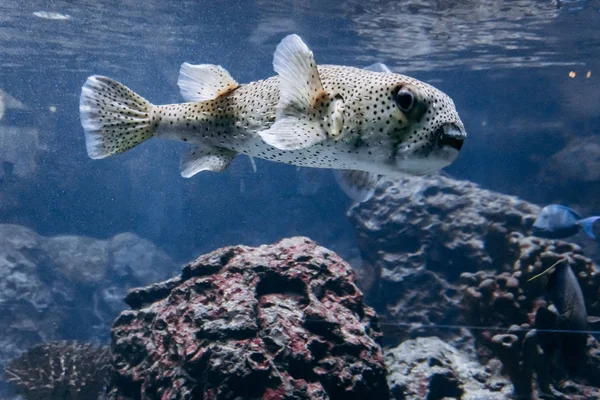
(415, 124)
(544, 218)
(556, 222)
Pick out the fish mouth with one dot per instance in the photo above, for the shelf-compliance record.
(447, 142)
(451, 135)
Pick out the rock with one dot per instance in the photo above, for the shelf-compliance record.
(281, 321)
(446, 253)
(493, 301)
(561, 171)
(77, 260)
(67, 287)
(438, 223)
(419, 234)
(428, 368)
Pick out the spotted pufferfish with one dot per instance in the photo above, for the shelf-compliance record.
(361, 123)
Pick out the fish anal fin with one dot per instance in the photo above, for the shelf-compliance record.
(593, 320)
(204, 158)
(204, 82)
(358, 185)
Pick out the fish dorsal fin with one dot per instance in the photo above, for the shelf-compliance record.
(204, 82)
(547, 269)
(568, 209)
(299, 81)
(378, 67)
(204, 158)
(301, 94)
(358, 185)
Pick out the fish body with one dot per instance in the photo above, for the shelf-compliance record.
(566, 295)
(559, 222)
(335, 117)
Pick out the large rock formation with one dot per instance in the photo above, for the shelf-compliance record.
(493, 301)
(282, 321)
(441, 254)
(68, 287)
(417, 235)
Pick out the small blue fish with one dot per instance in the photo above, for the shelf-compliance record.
(560, 222)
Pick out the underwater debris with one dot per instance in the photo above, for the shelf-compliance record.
(61, 371)
(276, 321)
(52, 15)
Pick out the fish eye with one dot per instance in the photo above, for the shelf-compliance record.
(405, 100)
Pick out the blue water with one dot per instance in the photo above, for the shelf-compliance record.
(506, 65)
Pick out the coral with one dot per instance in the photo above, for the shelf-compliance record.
(419, 233)
(445, 253)
(493, 302)
(428, 368)
(281, 321)
(61, 371)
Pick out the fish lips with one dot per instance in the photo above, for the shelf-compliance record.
(450, 135)
(448, 140)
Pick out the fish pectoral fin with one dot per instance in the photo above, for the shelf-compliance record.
(306, 114)
(294, 132)
(204, 82)
(205, 159)
(358, 185)
(378, 67)
(290, 134)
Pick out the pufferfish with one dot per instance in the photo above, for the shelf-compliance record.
(361, 123)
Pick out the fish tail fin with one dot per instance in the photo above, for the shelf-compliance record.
(114, 118)
(588, 225)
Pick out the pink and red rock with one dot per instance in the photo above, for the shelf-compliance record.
(283, 321)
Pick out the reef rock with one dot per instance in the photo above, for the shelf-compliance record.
(281, 321)
(494, 302)
(68, 287)
(428, 368)
(418, 234)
